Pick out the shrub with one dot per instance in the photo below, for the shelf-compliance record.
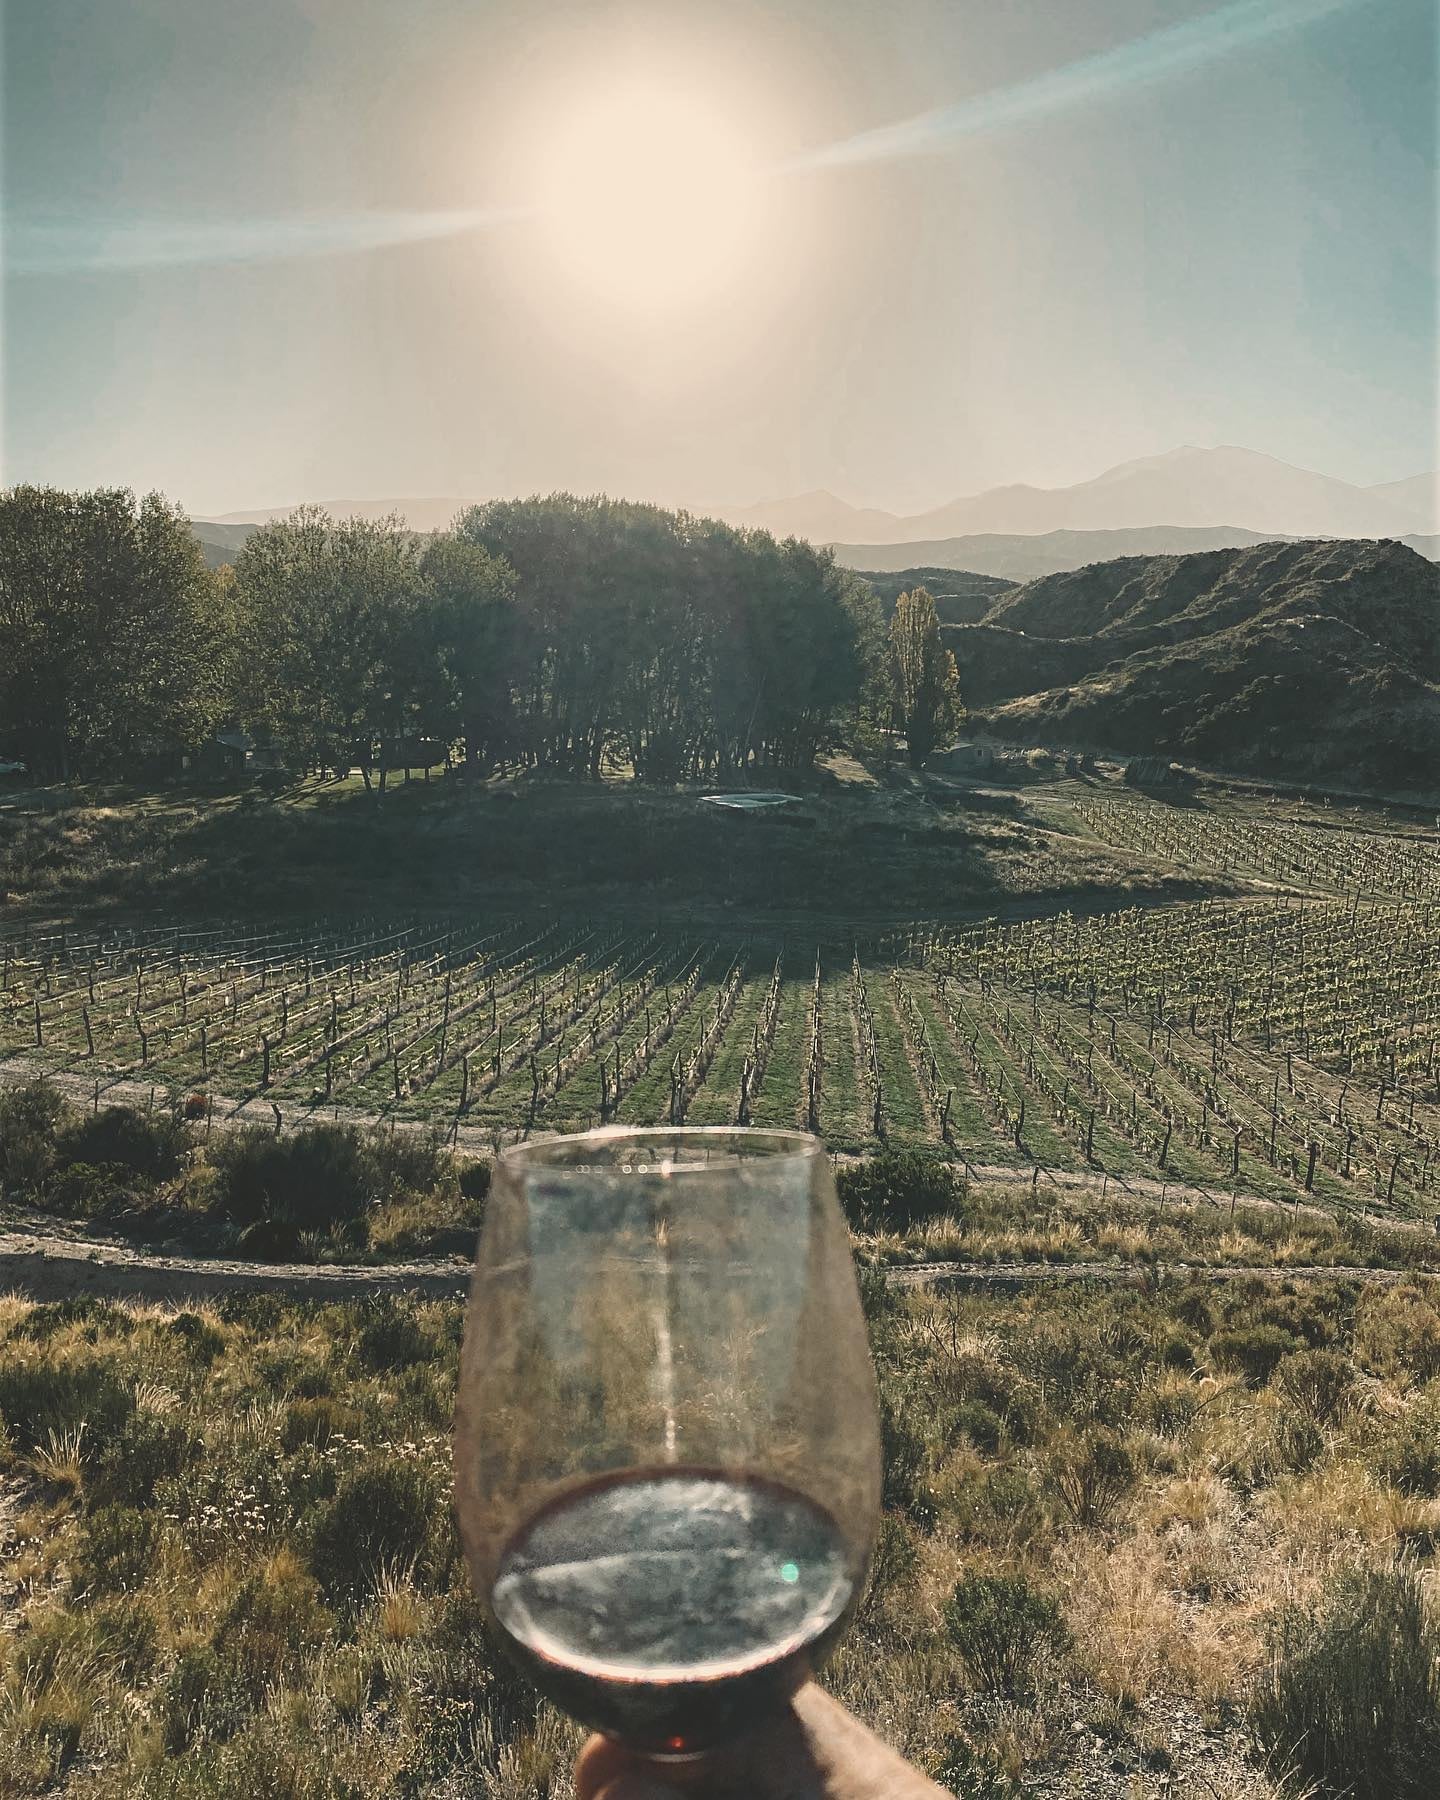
(81, 1191)
(380, 1518)
(902, 1451)
(390, 1336)
(116, 1634)
(898, 1190)
(38, 1399)
(975, 1772)
(206, 1696)
(1083, 1367)
(315, 1421)
(148, 1450)
(893, 1563)
(117, 1547)
(152, 1145)
(203, 1342)
(1409, 1458)
(274, 1623)
(1397, 1335)
(1253, 1351)
(322, 1175)
(1001, 1626)
(1351, 1700)
(1282, 1441)
(981, 1424)
(1092, 1473)
(30, 1116)
(475, 1181)
(1320, 1382)
(1001, 1506)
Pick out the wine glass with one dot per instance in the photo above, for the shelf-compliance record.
(667, 1464)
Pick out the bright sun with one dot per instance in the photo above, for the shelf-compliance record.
(648, 199)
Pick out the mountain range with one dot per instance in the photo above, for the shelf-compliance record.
(1189, 487)
(1188, 499)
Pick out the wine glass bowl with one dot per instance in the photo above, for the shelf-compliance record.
(667, 1453)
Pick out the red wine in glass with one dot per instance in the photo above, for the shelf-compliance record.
(671, 1607)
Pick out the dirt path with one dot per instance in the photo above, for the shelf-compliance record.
(43, 1267)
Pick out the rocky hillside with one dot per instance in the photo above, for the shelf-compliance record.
(1303, 659)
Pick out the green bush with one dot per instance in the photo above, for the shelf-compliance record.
(203, 1343)
(1001, 1506)
(390, 1336)
(898, 1190)
(39, 1398)
(1001, 1626)
(118, 1545)
(276, 1188)
(307, 1180)
(1409, 1458)
(206, 1697)
(152, 1145)
(903, 1460)
(82, 1191)
(148, 1450)
(316, 1420)
(981, 1424)
(1253, 1351)
(380, 1518)
(893, 1562)
(1351, 1700)
(111, 1635)
(30, 1117)
(1320, 1382)
(1092, 1474)
(975, 1772)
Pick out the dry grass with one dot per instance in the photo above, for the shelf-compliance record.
(197, 1650)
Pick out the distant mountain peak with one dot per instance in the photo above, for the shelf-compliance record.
(1191, 486)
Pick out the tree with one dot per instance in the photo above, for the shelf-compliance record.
(476, 631)
(337, 662)
(110, 628)
(924, 680)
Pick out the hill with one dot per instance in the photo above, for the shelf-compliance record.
(961, 597)
(422, 514)
(1013, 557)
(221, 542)
(1295, 659)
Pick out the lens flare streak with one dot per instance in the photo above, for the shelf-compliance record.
(1156, 57)
(113, 244)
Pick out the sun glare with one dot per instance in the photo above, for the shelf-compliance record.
(648, 199)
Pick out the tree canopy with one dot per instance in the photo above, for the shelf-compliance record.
(560, 632)
(110, 630)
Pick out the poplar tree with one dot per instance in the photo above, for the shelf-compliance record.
(924, 682)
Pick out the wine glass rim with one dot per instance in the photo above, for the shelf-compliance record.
(556, 1154)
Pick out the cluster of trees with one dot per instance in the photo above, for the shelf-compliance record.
(559, 632)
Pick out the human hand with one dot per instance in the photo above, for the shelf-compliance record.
(814, 1751)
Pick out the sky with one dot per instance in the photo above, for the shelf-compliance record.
(707, 252)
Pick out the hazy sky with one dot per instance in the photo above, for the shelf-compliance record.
(706, 251)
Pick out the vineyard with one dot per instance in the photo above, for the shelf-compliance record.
(1284, 851)
(1284, 1048)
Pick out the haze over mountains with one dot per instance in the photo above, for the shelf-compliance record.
(1190, 487)
(1185, 500)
